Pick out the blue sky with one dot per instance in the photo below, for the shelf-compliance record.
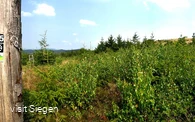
(73, 24)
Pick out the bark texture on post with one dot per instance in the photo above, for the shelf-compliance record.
(10, 68)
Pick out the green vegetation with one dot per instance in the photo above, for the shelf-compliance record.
(120, 81)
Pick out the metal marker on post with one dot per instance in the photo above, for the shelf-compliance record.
(1, 47)
(11, 104)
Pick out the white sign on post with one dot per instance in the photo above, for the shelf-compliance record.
(1, 47)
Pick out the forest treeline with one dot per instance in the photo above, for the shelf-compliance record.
(45, 56)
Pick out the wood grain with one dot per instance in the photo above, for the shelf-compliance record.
(10, 68)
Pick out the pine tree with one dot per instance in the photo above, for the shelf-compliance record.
(193, 39)
(135, 39)
(128, 43)
(182, 40)
(43, 41)
(124, 44)
(148, 42)
(145, 39)
(44, 45)
(110, 41)
(152, 37)
(119, 41)
(101, 46)
(111, 44)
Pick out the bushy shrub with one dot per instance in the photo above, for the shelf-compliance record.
(71, 87)
(40, 58)
(24, 58)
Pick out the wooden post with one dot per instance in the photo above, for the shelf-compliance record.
(31, 60)
(11, 103)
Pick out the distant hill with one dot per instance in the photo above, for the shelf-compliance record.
(188, 40)
(30, 51)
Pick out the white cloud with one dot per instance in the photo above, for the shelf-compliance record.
(74, 34)
(87, 22)
(146, 5)
(170, 5)
(67, 42)
(44, 9)
(167, 32)
(173, 28)
(26, 14)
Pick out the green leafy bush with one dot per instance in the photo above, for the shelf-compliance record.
(159, 86)
(40, 58)
(24, 58)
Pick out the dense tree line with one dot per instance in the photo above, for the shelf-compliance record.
(115, 44)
